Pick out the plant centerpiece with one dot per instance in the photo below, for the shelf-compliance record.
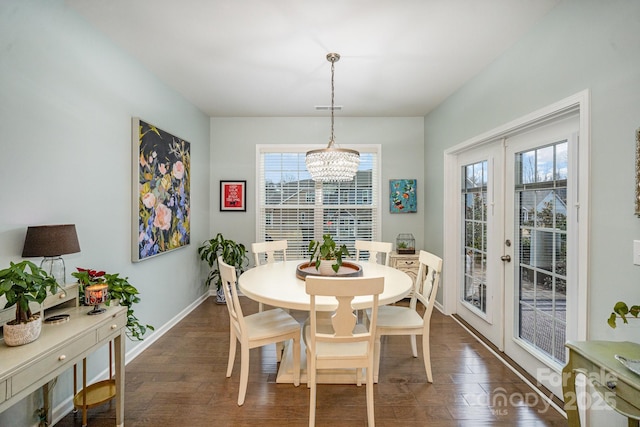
(327, 251)
(21, 284)
(119, 289)
(232, 253)
(621, 309)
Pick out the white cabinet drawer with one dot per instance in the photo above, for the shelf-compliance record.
(70, 292)
(407, 264)
(52, 361)
(114, 326)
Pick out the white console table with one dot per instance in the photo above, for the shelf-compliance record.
(26, 368)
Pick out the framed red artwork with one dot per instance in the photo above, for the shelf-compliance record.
(233, 196)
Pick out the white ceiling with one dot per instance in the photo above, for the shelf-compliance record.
(235, 58)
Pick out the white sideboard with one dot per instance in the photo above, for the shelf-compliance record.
(25, 368)
(409, 263)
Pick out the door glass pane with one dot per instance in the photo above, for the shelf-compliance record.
(541, 192)
(474, 201)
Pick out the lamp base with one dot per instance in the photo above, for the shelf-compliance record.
(54, 265)
(97, 310)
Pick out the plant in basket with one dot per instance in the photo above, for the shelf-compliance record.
(21, 284)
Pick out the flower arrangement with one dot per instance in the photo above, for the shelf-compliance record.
(119, 288)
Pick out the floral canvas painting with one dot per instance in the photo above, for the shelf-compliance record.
(402, 196)
(161, 191)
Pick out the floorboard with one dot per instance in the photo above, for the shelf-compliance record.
(180, 381)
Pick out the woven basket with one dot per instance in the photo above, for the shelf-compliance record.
(22, 333)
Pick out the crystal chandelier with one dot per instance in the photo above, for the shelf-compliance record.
(332, 164)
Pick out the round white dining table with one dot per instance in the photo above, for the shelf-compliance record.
(276, 284)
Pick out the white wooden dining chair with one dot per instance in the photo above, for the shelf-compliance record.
(255, 330)
(399, 320)
(374, 248)
(265, 253)
(269, 251)
(342, 343)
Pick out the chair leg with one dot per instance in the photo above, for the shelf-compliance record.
(232, 353)
(296, 362)
(308, 367)
(244, 373)
(311, 382)
(426, 354)
(369, 387)
(376, 358)
(414, 346)
(279, 350)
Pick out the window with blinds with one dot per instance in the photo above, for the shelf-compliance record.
(292, 206)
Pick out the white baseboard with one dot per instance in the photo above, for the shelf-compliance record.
(66, 405)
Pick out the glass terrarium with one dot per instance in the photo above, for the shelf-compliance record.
(405, 244)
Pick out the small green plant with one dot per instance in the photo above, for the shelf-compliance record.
(119, 289)
(232, 253)
(622, 310)
(402, 245)
(23, 283)
(328, 251)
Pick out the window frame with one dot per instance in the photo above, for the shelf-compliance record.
(375, 196)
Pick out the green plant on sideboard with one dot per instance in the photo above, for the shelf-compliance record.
(327, 250)
(119, 289)
(23, 283)
(622, 310)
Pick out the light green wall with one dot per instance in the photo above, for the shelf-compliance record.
(581, 44)
(67, 97)
(233, 142)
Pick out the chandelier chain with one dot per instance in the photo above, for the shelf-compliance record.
(332, 164)
(333, 63)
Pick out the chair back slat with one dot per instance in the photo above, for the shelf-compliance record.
(343, 319)
(427, 281)
(266, 251)
(373, 248)
(229, 285)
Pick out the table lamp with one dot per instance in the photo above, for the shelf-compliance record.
(50, 242)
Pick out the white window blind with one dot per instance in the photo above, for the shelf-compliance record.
(292, 206)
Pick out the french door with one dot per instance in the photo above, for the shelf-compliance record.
(480, 298)
(516, 251)
(541, 222)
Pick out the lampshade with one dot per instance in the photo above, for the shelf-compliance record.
(50, 241)
(332, 164)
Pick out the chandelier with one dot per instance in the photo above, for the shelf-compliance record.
(332, 164)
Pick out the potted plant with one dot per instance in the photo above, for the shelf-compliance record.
(21, 284)
(232, 253)
(327, 251)
(119, 290)
(621, 309)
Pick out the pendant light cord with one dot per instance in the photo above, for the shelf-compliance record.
(333, 62)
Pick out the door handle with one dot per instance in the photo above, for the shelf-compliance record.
(506, 258)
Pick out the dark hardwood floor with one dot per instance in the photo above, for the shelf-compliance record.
(180, 381)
